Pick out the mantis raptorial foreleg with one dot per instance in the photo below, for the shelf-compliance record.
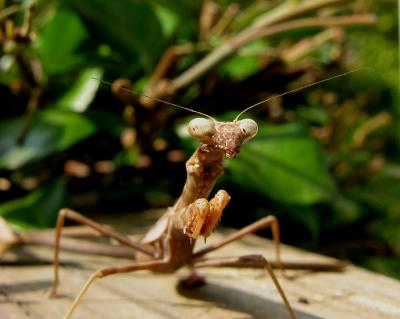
(202, 216)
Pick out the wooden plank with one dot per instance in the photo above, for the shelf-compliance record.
(230, 293)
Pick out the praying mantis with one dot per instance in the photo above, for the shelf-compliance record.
(169, 243)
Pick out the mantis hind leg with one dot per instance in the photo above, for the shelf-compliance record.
(102, 229)
(150, 265)
(249, 261)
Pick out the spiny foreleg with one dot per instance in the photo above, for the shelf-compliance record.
(202, 216)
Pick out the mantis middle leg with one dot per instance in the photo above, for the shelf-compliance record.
(272, 221)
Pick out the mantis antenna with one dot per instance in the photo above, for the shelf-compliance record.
(296, 90)
(153, 98)
(246, 109)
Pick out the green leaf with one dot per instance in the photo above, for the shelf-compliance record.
(307, 217)
(381, 192)
(241, 66)
(39, 208)
(315, 114)
(347, 211)
(58, 41)
(168, 20)
(107, 121)
(49, 131)
(285, 164)
(388, 265)
(187, 9)
(82, 92)
(129, 27)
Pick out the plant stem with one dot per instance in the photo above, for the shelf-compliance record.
(250, 34)
(291, 9)
(257, 33)
(4, 13)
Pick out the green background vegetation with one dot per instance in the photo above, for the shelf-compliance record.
(325, 160)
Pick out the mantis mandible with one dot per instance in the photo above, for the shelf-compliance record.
(170, 241)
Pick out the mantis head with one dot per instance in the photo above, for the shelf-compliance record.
(226, 136)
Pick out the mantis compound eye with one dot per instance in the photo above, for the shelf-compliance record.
(248, 127)
(202, 129)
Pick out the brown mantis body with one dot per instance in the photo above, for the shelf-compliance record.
(170, 242)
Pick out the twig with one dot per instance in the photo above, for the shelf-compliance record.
(77, 245)
(257, 33)
(161, 70)
(27, 25)
(207, 19)
(304, 47)
(70, 231)
(168, 58)
(225, 20)
(291, 9)
(251, 34)
(4, 13)
(31, 68)
(33, 103)
(287, 265)
(46, 238)
(380, 120)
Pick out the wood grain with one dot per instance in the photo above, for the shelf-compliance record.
(25, 278)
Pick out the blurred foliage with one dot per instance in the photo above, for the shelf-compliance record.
(325, 160)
